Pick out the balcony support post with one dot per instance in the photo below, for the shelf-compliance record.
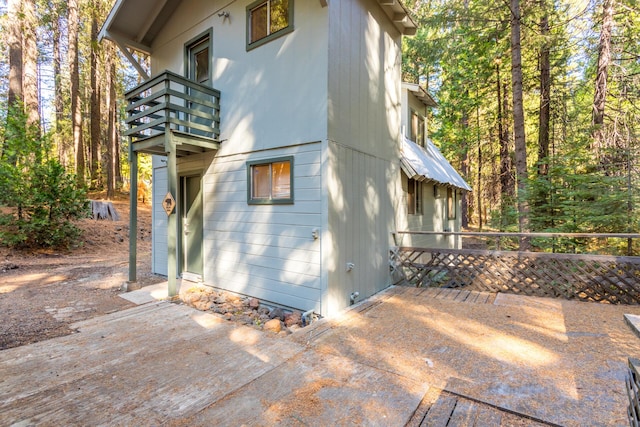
(133, 218)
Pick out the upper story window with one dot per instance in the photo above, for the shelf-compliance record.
(267, 20)
(270, 181)
(417, 128)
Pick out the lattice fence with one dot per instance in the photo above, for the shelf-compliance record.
(598, 278)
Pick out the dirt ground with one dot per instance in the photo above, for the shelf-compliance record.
(43, 292)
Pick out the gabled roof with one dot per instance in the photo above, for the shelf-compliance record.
(420, 93)
(134, 24)
(428, 163)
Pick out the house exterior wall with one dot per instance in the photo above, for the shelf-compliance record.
(271, 96)
(433, 218)
(273, 103)
(328, 94)
(362, 157)
(267, 251)
(159, 216)
(411, 102)
(364, 78)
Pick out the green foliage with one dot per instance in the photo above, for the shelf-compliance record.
(38, 198)
(461, 53)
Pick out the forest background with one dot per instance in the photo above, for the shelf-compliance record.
(537, 105)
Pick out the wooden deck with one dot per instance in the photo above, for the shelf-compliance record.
(459, 295)
(440, 408)
(407, 356)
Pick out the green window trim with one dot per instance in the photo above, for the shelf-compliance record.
(269, 36)
(414, 197)
(206, 37)
(264, 168)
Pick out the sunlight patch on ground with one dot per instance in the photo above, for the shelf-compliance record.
(493, 342)
(206, 320)
(5, 289)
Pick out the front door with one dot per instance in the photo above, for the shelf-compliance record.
(191, 216)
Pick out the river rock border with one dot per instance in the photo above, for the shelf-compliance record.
(245, 310)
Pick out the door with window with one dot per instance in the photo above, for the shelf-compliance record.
(192, 229)
(199, 70)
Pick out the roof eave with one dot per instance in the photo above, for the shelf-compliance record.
(400, 16)
(420, 93)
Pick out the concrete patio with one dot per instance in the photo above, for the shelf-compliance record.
(404, 357)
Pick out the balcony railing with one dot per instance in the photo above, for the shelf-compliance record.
(172, 103)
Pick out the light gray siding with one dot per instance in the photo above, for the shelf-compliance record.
(362, 189)
(433, 218)
(267, 251)
(273, 95)
(159, 218)
(364, 78)
(363, 173)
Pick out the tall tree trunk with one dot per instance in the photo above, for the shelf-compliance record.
(95, 103)
(14, 40)
(518, 124)
(76, 108)
(464, 168)
(57, 89)
(480, 160)
(604, 61)
(112, 152)
(544, 117)
(30, 67)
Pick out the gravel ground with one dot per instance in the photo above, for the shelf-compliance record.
(43, 292)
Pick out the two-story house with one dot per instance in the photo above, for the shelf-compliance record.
(276, 129)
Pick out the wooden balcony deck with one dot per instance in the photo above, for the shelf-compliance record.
(170, 110)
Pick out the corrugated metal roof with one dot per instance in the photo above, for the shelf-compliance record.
(428, 163)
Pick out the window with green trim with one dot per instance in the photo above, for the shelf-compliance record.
(270, 182)
(268, 19)
(414, 197)
(452, 203)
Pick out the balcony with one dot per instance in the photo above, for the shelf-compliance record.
(170, 112)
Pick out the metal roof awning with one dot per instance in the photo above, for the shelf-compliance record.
(428, 163)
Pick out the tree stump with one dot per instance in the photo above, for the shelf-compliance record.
(102, 210)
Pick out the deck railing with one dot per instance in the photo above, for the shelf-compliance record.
(172, 102)
(591, 277)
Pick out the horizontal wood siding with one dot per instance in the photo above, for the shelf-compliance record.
(159, 218)
(266, 251)
(362, 189)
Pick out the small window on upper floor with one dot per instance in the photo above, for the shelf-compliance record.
(267, 20)
(417, 128)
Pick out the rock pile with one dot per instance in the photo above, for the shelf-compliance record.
(247, 311)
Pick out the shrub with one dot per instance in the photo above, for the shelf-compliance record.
(39, 197)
